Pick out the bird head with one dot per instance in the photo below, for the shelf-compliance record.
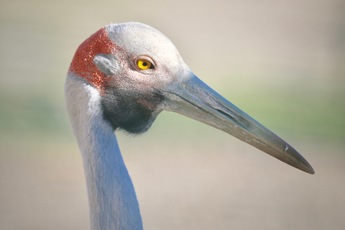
(138, 73)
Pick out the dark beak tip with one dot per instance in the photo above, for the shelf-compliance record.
(311, 170)
(295, 159)
(306, 167)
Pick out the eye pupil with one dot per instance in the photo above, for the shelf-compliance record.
(144, 63)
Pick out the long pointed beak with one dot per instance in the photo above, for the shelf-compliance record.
(193, 98)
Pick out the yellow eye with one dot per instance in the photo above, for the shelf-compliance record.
(144, 64)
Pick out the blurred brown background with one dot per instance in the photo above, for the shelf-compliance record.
(283, 62)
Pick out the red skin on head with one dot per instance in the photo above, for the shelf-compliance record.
(82, 63)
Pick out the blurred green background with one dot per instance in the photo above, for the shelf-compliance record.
(283, 62)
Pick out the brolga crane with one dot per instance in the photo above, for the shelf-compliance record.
(122, 77)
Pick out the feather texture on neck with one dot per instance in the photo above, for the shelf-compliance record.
(112, 199)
